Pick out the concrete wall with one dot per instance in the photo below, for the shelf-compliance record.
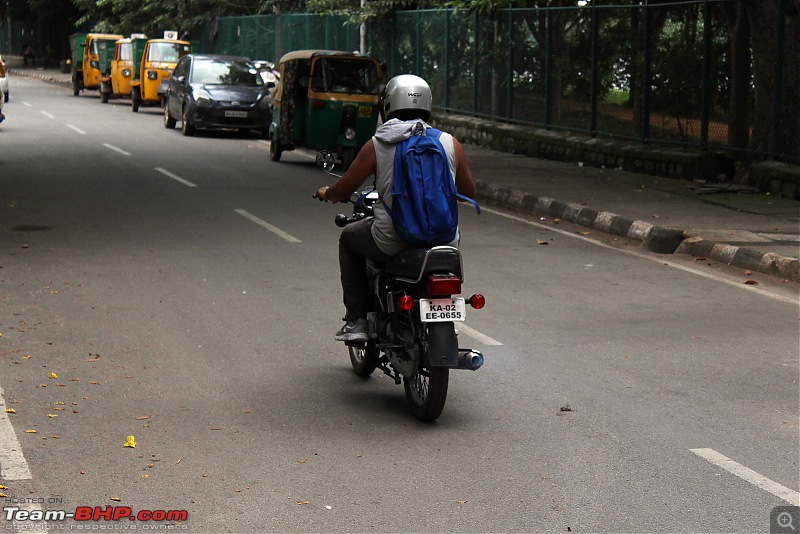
(777, 178)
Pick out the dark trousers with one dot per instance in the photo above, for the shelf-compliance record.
(355, 246)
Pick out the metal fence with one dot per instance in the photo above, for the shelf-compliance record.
(651, 73)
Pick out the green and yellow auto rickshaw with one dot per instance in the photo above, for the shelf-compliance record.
(326, 100)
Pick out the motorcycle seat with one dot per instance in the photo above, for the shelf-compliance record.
(412, 264)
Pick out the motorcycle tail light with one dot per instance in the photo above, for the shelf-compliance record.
(406, 302)
(477, 301)
(444, 285)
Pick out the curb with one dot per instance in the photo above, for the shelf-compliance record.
(658, 239)
(39, 74)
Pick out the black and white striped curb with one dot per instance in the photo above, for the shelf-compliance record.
(657, 239)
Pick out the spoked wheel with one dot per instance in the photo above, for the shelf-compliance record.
(364, 359)
(426, 392)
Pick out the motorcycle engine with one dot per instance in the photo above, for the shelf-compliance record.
(404, 360)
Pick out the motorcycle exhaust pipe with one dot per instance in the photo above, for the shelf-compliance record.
(469, 359)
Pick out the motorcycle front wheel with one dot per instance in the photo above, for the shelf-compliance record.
(426, 392)
(364, 359)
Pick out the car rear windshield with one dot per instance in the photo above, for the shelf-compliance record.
(218, 72)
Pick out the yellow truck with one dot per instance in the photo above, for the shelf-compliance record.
(153, 62)
(117, 83)
(87, 68)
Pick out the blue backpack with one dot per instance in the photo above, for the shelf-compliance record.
(424, 207)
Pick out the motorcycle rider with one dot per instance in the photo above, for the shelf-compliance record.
(406, 103)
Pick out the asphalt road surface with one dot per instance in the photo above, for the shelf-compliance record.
(184, 291)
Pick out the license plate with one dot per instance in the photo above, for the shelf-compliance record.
(236, 114)
(442, 310)
(365, 112)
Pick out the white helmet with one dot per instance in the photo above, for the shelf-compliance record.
(407, 97)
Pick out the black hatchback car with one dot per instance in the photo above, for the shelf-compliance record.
(216, 91)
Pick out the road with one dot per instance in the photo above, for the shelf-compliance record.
(184, 291)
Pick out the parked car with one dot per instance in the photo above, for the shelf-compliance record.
(216, 91)
(3, 80)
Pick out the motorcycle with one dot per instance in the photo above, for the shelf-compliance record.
(412, 336)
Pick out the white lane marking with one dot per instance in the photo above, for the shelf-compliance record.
(12, 462)
(46, 114)
(26, 104)
(76, 129)
(477, 336)
(264, 224)
(112, 147)
(643, 256)
(175, 177)
(788, 495)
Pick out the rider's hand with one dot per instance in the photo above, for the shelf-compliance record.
(321, 192)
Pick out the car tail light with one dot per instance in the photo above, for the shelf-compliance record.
(444, 285)
(406, 303)
(477, 301)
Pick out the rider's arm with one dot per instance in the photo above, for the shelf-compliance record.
(361, 169)
(464, 182)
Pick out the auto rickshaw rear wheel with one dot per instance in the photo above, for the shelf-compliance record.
(275, 150)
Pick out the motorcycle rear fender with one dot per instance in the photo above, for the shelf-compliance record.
(442, 345)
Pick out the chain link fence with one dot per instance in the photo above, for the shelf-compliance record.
(694, 73)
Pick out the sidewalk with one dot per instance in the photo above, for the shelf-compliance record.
(755, 232)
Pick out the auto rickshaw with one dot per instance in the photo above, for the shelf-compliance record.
(326, 100)
(118, 81)
(153, 63)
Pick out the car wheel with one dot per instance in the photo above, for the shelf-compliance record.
(186, 126)
(169, 122)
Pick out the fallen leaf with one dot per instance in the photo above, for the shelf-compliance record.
(3, 495)
(27, 357)
(117, 499)
(59, 403)
(130, 442)
(43, 385)
(585, 233)
(302, 502)
(748, 273)
(52, 415)
(11, 410)
(2, 487)
(53, 375)
(751, 282)
(461, 502)
(540, 242)
(142, 417)
(56, 437)
(145, 476)
(699, 258)
(31, 431)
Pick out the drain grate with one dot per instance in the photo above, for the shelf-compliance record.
(31, 228)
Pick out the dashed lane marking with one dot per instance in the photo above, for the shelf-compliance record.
(477, 336)
(264, 224)
(175, 177)
(46, 114)
(12, 462)
(782, 492)
(112, 147)
(75, 128)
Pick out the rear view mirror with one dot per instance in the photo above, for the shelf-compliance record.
(325, 160)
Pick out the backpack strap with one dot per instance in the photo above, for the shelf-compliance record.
(433, 132)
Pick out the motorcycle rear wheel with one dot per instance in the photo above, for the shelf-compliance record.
(364, 359)
(426, 392)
